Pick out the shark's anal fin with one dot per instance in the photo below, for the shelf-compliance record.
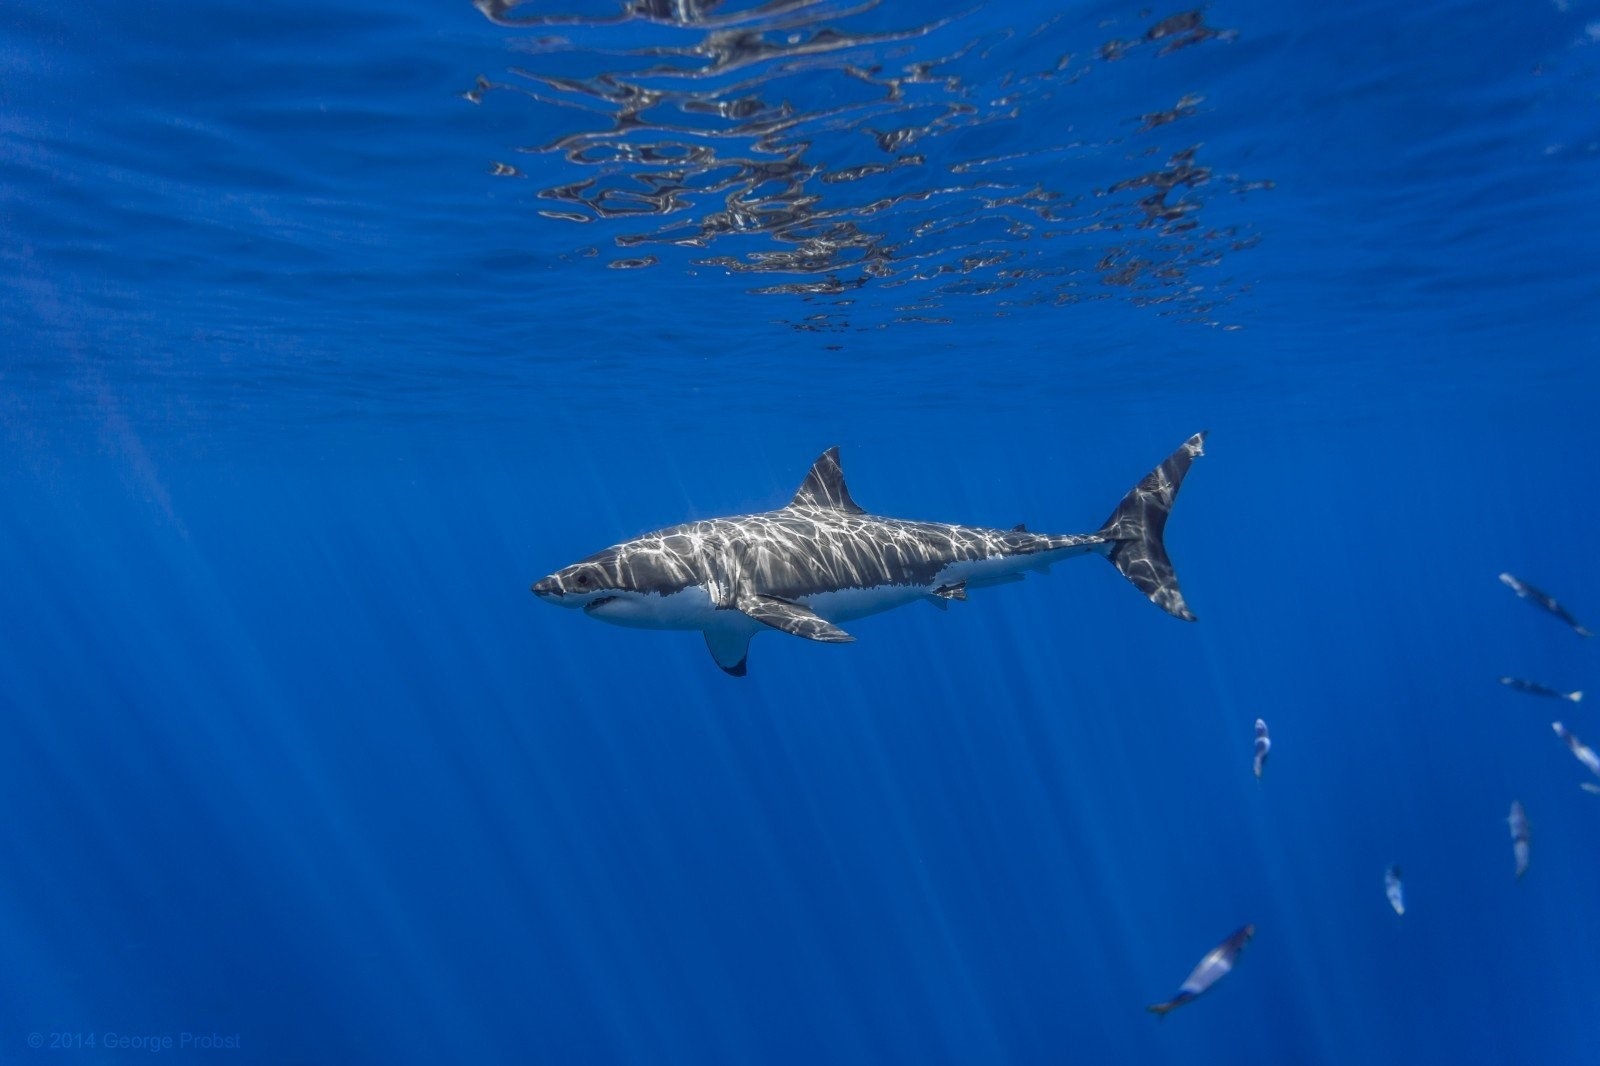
(792, 618)
(730, 647)
(957, 591)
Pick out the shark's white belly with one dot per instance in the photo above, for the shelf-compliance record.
(844, 605)
(692, 608)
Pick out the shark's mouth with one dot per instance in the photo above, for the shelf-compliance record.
(597, 602)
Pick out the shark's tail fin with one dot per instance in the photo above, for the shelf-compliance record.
(1135, 527)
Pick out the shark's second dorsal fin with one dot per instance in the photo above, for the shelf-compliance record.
(824, 487)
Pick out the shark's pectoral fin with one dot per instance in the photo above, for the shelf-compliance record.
(730, 647)
(792, 618)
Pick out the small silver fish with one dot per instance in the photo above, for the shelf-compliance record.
(1580, 750)
(1392, 889)
(1533, 688)
(1211, 969)
(1263, 746)
(1520, 838)
(1532, 595)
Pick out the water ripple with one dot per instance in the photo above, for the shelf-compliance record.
(817, 148)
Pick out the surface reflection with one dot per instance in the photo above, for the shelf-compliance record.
(816, 148)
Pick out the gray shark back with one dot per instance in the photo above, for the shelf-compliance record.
(797, 553)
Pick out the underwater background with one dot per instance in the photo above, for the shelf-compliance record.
(327, 328)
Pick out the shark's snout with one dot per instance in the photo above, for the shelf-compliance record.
(548, 588)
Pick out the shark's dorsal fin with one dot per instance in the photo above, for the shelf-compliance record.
(824, 487)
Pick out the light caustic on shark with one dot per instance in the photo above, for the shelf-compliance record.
(822, 560)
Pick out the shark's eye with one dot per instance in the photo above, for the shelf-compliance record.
(582, 581)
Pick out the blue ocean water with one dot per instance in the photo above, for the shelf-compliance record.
(330, 327)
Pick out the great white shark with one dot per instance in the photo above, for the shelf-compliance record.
(822, 560)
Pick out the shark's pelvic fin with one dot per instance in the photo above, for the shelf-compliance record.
(730, 647)
(1135, 528)
(824, 486)
(792, 618)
